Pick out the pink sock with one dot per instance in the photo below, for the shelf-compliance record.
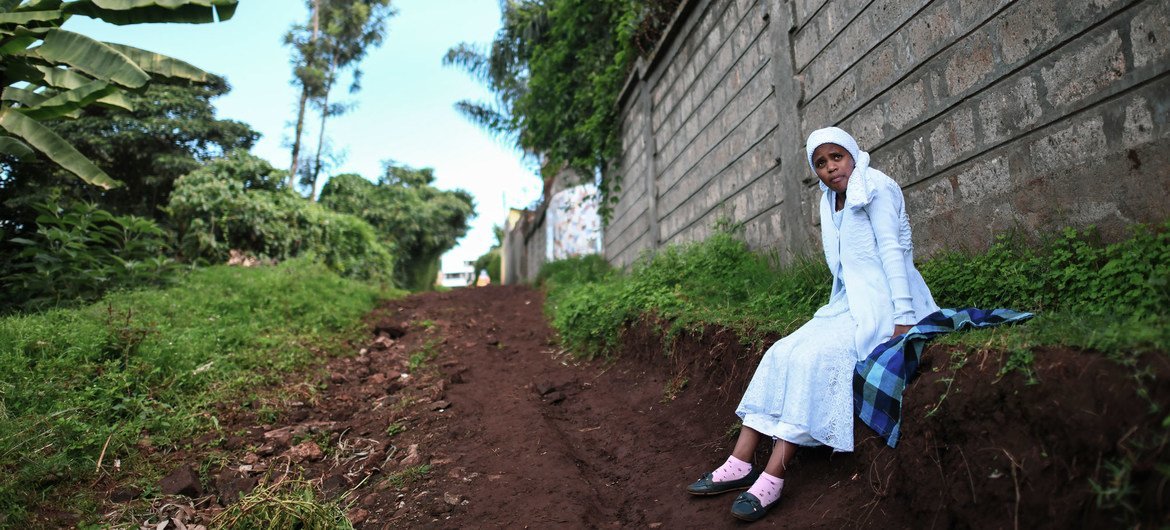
(732, 469)
(767, 489)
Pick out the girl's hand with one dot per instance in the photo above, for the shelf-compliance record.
(900, 329)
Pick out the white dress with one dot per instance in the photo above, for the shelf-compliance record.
(802, 390)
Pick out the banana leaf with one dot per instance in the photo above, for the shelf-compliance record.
(25, 97)
(62, 78)
(54, 147)
(16, 44)
(90, 57)
(159, 64)
(122, 12)
(13, 147)
(68, 102)
(25, 17)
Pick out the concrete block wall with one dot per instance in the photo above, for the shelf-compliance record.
(994, 115)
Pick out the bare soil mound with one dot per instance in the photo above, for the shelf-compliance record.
(460, 411)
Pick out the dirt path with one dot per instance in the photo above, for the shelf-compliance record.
(460, 411)
(530, 439)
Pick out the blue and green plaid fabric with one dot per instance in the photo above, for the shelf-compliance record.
(880, 379)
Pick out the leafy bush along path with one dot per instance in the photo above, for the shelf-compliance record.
(462, 412)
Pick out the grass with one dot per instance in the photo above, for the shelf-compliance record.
(400, 479)
(286, 503)
(154, 363)
(1088, 295)
(424, 355)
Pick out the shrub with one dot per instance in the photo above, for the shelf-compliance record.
(1108, 297)
(79, 252)
(1070, 271)
(229, 204)
(718, 281)
(420, 221)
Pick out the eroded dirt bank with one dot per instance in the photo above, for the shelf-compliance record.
(462, 412)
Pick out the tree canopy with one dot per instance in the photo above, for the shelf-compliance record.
(556, 68)
(170, 132)
(421, 221)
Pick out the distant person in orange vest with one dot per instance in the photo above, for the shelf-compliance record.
(802, 390)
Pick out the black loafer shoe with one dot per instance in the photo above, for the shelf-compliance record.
(748, 507)
(707, 486)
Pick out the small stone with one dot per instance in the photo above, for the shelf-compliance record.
(125, 494)
(370, 500)
(363, 351)
(280, 436)
(182, 481)
(383, 341)
(452, 498)
(377, 379)
(440, 405)
(438, 507)
(250, 458)
(231, 485)
(544, 388)
(555, 397)
(338, 378)
(357, 516)
(306, 450)
(412, 458)
(655, 525)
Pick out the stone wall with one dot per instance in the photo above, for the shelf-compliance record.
(993, 115)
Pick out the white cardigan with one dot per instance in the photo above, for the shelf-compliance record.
(871, 257)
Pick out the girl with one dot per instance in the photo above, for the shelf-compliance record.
(802, 392)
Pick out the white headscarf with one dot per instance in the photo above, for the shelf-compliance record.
(831, 135)
(861, 189)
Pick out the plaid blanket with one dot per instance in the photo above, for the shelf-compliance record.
(880, 379)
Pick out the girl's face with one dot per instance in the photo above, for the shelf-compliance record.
(833, 165)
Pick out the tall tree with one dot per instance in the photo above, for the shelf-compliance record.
(556, 68)
(308, 74)
(339, 36)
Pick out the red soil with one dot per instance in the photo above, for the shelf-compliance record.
(517, 434)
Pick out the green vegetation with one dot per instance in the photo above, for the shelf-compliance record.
(170, 132)
(718, 281)
(400, 479)
(491, 261)
(52, 73)
(286, 503)
(154, 363)
(1112, 298)
(395, 429)
(78, 254)
(235, 203)
(427, 353)
(421, 222)
(556, 68)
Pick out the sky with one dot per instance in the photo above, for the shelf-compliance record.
(404, 111)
